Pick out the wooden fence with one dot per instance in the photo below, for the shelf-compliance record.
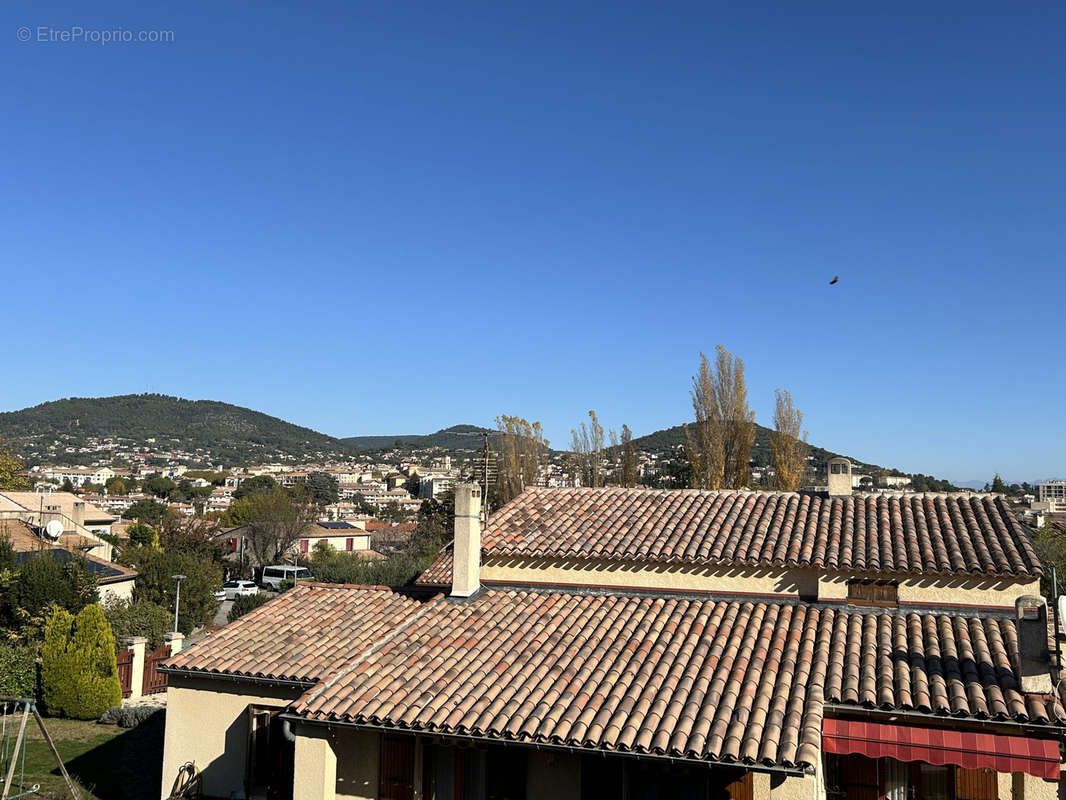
(155, 681)
(124, 658)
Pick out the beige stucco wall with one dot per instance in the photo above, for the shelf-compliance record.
(123, 590)
(937, 590)
(314, 764)
(629, 575)
(796, 582)
(358, 756)
(792, 787)
(207, 724)
(1030, 787)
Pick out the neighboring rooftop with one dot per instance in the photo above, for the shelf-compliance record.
(305, 634)
(906, 533)
(37, 501)
(28, 544)
(696, 679)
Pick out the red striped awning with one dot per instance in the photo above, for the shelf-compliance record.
(1002, 753)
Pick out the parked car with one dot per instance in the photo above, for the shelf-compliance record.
(231, 590)
(276, 573)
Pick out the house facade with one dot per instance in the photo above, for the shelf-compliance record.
(630, 643)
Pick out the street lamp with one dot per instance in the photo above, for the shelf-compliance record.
(177, 599)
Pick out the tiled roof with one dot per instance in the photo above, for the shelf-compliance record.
(930, 663)
(913, 533)
(439, 573)
(305, 634)
(24, 542)
(699, 679)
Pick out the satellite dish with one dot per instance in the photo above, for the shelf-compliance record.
(54, 529)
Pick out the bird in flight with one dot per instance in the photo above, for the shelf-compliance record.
(835, 279)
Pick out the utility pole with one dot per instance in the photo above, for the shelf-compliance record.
(177, 599)
(485, 492)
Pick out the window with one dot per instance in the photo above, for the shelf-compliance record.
(303, 545)
(349, 544)
(869, 592)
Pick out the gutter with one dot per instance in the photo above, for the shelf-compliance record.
(226, 676)
(587, 751)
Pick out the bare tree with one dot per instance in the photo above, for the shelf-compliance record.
(586, 446)
(788, 442)
(276, 520)
(522, 458)
(629, 458)
(719, 447)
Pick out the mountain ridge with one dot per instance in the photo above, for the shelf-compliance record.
(234, 435)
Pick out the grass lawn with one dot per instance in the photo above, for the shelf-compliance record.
(107, 762)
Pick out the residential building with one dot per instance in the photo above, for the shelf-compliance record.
(81, 521)
(341, 536)
(434, 485)
(78, 476)
(1051, 490)
(632, 643)
(112, 580)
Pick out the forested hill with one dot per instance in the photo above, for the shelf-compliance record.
(229, 434)
(667, 440)
(457, 437)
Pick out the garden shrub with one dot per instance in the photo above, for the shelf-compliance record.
(242, 605)
(129, 716)
(79, 676)
(142, 618)
(18, 671)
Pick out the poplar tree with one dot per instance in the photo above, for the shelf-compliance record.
(719, 443)
(788, 442)
(522, 458)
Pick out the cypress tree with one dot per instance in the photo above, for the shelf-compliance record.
(79, 676)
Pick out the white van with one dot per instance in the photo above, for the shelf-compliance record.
(276, 573)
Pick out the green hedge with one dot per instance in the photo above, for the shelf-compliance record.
(18, 671)
(79, 676)
(242, 605)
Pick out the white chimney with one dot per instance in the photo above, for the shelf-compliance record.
(839, 477)
(466, 552)
(1034, 660)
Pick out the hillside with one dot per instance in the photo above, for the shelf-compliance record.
(219, 432)
(667, 440)
(81, 430)
(457, 437)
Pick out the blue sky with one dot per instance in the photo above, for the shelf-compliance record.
(393, 217)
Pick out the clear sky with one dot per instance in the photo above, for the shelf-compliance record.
(388, 217)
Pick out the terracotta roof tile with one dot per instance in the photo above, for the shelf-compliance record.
(439, 573)
(914, 533)
(304, 634)
(699, 679)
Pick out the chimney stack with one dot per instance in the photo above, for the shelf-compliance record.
(1035, 659)
(466, 551)
(78, 513)
(839, 477)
